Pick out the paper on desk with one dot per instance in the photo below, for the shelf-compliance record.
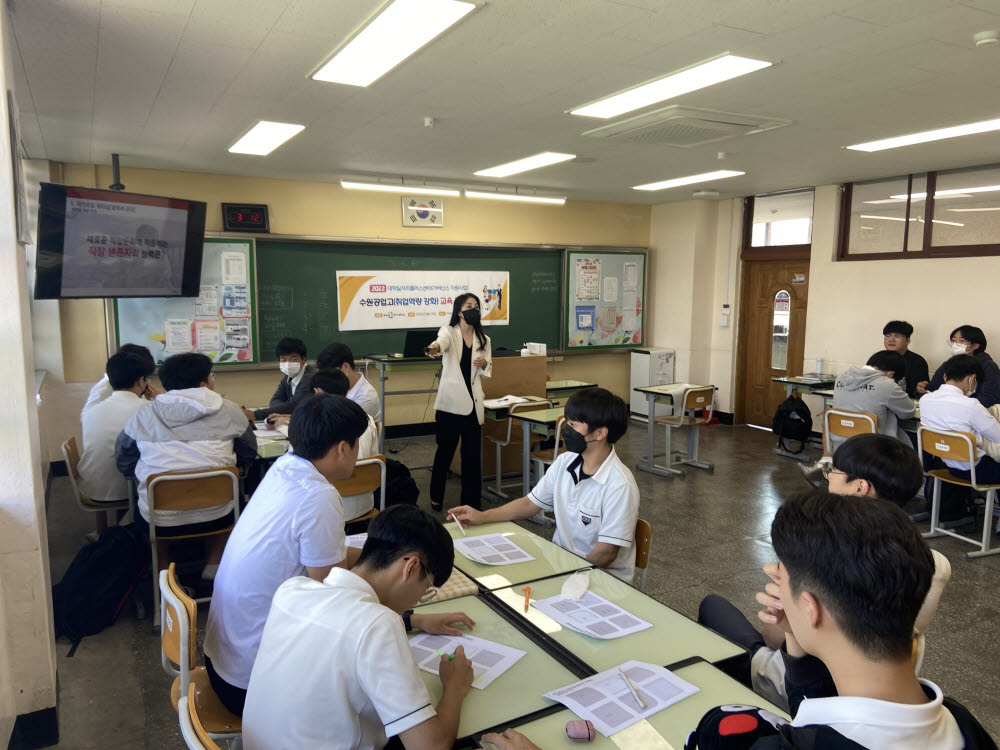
(499, 403)
(356, 540)
(489, 659)
(268, 433)
(492, 549)
(606, 700)
(592, 615)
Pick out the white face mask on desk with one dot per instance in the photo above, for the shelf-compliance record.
(291, 369)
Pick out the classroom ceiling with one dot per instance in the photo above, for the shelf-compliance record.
(171, 84)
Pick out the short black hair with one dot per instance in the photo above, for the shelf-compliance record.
(321, 421)
(891, 467)
(599, 407)
(288, 345)
(124, 368)
(137, 350)
(187, 370)
(898, 326)
(864, 560)
(334, 382)
(888, 361)
(972, 334)
(962, 366)
(402, 530)
(334, 355)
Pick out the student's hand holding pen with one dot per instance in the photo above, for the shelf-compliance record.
(455, 671)
(466, 515)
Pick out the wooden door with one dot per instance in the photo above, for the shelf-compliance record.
(772, 334)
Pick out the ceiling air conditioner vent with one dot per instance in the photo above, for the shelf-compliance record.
(685, 127)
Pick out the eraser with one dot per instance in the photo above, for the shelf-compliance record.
(397, 355)
(580, 730)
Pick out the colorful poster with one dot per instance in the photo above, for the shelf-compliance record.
(375, 300)
(588, 278)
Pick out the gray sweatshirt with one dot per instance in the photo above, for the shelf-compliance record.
(863, 388)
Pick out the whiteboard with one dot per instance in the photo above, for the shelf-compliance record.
(219, 323)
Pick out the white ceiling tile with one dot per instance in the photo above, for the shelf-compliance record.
(174, 7)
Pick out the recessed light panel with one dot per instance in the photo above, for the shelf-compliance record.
(383, 187)
(543, 159)
(926, 136)
(689, 180)
(264, 137)
(552, 200)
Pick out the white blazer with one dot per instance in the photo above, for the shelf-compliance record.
(452, 395)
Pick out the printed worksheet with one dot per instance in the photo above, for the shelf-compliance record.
(489, 659)
(356, 540)
(591, 615)
(492, 549)
(608, 702)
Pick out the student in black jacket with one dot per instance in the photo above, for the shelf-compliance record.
(971, 340)
(295, 384)
(896, 338)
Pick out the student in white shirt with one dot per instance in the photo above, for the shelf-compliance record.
(334, 668)
(338, 356)
(593, 494)
(295, 383)
(102, 388)
(466, 358)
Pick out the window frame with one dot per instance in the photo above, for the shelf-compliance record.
(771, 252)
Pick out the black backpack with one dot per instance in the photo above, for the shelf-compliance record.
(99, 581)
(792, 421)
(400, 489)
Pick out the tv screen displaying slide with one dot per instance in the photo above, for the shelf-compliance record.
(106, 243)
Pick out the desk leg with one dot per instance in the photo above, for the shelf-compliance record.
(525, 459)
(381, 400)
(691, 459)
(789, 389)
(650, 465)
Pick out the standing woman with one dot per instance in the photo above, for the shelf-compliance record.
(466, 358)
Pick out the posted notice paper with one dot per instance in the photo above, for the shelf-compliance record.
(492, 549)
(606, 700)
(591, 615)
(489, 659)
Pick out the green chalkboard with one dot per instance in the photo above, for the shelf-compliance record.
(297, 291)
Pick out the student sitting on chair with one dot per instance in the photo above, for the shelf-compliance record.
(896, 338)
(128, 376)
(338, 356)
(874, 466)
(593, 494)
(294, 386)
(189, 427)
(103, 388)
(334, 668)
(971, 340)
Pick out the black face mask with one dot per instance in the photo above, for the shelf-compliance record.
(471, 316)
(573, 440)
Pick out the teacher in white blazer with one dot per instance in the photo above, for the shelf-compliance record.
(466, 358)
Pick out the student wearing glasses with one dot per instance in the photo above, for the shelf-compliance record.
(971, 340)
(896, 338)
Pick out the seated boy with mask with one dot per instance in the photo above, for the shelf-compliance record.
(593, 494)
(294, 386)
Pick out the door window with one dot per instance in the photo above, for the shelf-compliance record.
(780, 320)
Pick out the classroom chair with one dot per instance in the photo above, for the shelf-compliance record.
(189, 490)
(957, 446)
(692, 399)
(107, 513)
(191, 685)
(846, 424)
(544, 457)
(368, 476)
(497, 489)
(643, 540)
(192, 730)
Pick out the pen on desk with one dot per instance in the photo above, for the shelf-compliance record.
(631, 687)
(455, 519)
(527, 598)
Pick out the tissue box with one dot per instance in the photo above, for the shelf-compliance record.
(539, 349)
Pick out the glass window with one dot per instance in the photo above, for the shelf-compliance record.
(782, 219)
(967, 208)
(779, 330)
(878, 217)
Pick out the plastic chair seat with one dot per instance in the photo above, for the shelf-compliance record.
(364, 516)
(681, 421)
(946, 476)
(216, 717)
(545, 455)
(89, 504)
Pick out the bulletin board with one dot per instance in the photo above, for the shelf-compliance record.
(605, 299)
(220, 322)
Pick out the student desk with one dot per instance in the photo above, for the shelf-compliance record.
(389, 364)
(672, 638)
(515, 693)
(673, 724)
(543, 422)
(502, 414)
(565, 387)
(664, 394)
(808, 383)
(550, 559)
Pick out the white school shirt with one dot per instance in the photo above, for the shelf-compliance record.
(948, 408)
(601, 508)
(100, 479)
(364, 395)
(882, 725)
(293, 520)
(100, 391)
(357, 505)
(334, 670)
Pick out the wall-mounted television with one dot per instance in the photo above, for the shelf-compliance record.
(107, 243)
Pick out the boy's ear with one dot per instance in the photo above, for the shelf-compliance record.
(813, 609)
(601, 433)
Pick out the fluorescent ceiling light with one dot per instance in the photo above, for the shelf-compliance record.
(971, 128)
(543, 159)
(393, 35)
(264, 137)
(384, 187)
(690, 79)
(954, 193)
(496, 196)
(900, 218)
(689, 180)
(971, 210)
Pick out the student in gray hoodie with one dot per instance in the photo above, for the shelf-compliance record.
(875, 389)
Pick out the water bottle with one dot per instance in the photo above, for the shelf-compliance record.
(819, 365)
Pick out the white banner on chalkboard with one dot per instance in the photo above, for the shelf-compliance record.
(373, 300)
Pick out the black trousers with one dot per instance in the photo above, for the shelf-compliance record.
(449, 429)
(232, 697)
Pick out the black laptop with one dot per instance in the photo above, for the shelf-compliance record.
(417, 341)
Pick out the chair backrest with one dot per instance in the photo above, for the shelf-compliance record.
(948, 444)
(643, 539)
(700, 398)
(178, 621)
(368, 476)
(71, 455)
(191, 490)
(847, 424)
(527, 406)
(192, 728)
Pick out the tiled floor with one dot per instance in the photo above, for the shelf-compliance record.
(709, 536)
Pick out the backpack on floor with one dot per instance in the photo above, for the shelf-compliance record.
(400, 489)
(99, 581)
(792, 421)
